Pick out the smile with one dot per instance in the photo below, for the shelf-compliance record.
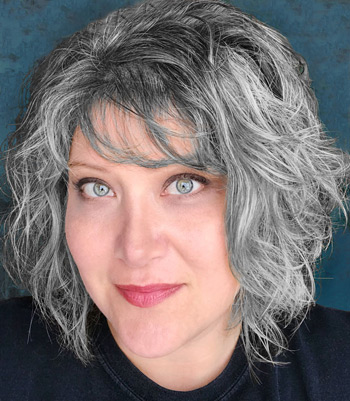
(147, 296)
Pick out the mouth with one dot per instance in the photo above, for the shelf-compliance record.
(149, 295)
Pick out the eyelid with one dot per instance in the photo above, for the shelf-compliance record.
(88, 180)
(198, 178)
(191, 176)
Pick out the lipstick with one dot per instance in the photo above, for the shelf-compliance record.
(149, 295)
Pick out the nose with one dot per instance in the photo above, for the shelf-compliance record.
(140, 237)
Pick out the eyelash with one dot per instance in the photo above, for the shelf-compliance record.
(78, 185)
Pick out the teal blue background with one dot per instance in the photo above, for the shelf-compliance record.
(317, 29)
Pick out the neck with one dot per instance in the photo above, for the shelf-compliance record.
(192, 366)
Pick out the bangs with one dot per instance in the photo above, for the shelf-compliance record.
(139, 98)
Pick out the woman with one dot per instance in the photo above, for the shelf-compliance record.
(172, 189)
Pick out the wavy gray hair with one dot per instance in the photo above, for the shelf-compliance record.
(245, 95)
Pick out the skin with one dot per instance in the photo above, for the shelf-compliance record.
(143, 231)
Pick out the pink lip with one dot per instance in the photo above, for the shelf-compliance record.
(149, 295)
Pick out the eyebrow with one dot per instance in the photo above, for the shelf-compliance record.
(167, 163)
(157, 164)
(81, 164)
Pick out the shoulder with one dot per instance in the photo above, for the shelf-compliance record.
(33, 365)
(323, 337)
(324, 314)
(26, 345)
(16, 314)
(23, 303)
(9, 308)
(24, 335)
(20, 322)
(318, 356)
(325, 326)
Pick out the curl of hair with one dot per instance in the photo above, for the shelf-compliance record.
(243, 97)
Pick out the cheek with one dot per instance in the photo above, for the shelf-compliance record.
(80, 235)
(74, 229)
(201, 233)
(86, 251)
(84, 224)
(203, 244)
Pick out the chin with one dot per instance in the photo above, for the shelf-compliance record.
(147, 340)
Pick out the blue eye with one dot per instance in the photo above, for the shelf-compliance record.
(185, 184)
(93, 188)
(96, 189)
(100, 189)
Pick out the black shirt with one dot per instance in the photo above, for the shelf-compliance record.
(33, 366)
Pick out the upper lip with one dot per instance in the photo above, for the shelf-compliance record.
(147, 288)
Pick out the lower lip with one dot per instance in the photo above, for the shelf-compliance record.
(147, 299)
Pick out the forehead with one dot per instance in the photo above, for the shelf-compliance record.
(127, 132)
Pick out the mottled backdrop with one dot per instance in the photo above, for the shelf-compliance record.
(317, 29)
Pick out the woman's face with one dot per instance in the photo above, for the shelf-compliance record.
(149, 244)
